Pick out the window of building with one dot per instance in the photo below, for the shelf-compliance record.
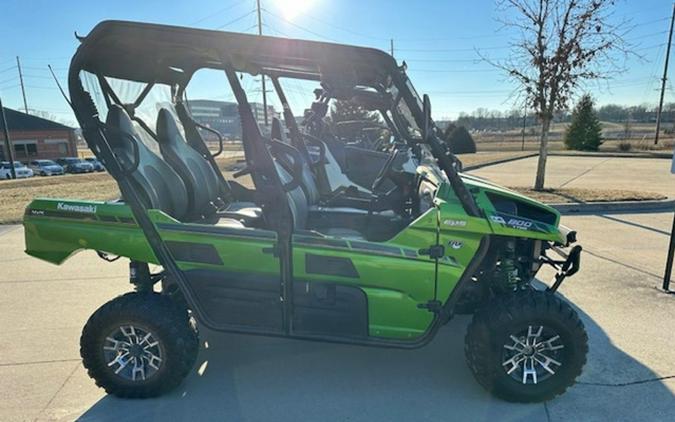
(25, 149)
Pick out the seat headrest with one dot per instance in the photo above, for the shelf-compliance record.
(277, 133)
(167, 128)
(118, 118)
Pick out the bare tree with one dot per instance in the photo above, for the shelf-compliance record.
(560, 45)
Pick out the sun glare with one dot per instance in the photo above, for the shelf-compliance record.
(292, 8)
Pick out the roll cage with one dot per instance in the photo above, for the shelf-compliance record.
(171, 55)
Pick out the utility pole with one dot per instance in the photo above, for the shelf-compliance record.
(663, 80)
(391, 46)
(8, 144)
(264, 91)
(23, 89)
(669, 259)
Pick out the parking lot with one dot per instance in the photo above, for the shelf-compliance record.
(630, 372)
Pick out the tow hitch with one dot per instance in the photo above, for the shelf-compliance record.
(566, 267)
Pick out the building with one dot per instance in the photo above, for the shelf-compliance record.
(223, 116)
(34, 138)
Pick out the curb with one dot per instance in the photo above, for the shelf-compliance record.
(502, 161)
(618, 206)
(651, 155)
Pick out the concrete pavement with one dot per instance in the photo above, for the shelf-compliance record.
(629, 374)
(638, 174)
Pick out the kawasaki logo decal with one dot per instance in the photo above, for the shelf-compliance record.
(83, 209)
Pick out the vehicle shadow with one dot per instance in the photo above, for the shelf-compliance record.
(262, 379)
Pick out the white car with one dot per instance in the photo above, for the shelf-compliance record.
(19, 168)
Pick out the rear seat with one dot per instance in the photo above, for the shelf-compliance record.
(159, 186)
(156, 182)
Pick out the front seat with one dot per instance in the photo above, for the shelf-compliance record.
(334, 221)
(157, 184)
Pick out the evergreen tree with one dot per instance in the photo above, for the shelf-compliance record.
(584, 132)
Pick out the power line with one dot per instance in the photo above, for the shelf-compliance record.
(233, 21)
(343, 29)
(218, 12)
(452, 50)
(40, 87)
(13, 78)
(478, 60)
(302, 28)
(44, 69)
(495, 69)
(46, 59)
(7, 69)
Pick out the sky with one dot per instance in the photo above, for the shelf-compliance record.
(441, 42)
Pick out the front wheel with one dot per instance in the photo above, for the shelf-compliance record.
(528, 346)
(139, 345)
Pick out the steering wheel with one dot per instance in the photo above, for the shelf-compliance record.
(314, 141)
(385, 170)
(290, 160)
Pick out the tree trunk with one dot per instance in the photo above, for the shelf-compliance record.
(543, 153)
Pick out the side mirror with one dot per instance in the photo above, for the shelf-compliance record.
(426, 110)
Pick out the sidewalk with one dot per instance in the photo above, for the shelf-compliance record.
(636, 174)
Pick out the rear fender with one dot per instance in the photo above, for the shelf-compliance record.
(56, 229)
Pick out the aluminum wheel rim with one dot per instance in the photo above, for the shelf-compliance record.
(133, 353)
(533, 355)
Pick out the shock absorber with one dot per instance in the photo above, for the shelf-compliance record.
(508, 265)
(139, 276)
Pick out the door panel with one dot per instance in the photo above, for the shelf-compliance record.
(233, 299)
(236, 278)
(394, 280)
(320, 308)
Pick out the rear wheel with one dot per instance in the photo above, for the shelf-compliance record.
(526, 347)
(139, 345)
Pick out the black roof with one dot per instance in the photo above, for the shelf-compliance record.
(167, 54)
(19, 121)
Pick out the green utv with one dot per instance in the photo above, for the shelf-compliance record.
(383, 262)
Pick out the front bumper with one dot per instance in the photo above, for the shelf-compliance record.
(566, 267)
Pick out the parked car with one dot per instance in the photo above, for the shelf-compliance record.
(46, 168)
(75, 165)
(98, 166)
(19, 168)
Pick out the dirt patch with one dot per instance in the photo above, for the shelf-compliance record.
(577, 195)
(17, 194)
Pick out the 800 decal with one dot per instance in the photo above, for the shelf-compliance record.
(515, 223)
